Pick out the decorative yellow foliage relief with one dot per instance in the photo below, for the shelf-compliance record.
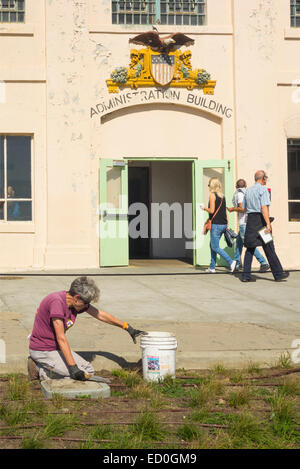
(140, 73)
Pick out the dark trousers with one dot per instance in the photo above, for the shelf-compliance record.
(271, 255)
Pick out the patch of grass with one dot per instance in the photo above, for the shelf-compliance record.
(289, 388)
(101, 432)
(218, 369)
(117, 393)
(212, 418)
(148, 427)
(127, 440)
(17, 388)
(156, 400)
(13, 415)
(58, 425)
(199, 397)
(130, 378)
(169, 387)
(263, 393)
(121, 438)
(36, 405)
(284, 361)
(206, 392)
(58, 400)
(32, 442)
(220, 440)
(141, 390)
(245, 429)
(253, 368)
(239, 398)
(237, 376)
(189, 432)
(282, 414)
(88, 444)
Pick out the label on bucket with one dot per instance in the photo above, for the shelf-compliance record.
(153, 364)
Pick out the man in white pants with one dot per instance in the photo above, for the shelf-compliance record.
(50, 353)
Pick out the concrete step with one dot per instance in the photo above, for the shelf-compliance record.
(68, 387)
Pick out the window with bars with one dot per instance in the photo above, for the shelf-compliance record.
(295, 13)
(168, 12)
(15, 178)
(294, 179)
(12, 11)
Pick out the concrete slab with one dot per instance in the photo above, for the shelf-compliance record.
(68, 387)
(215, 318)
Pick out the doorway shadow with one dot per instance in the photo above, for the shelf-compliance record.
(121, 361)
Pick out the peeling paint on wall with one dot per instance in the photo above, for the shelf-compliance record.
(263, 22)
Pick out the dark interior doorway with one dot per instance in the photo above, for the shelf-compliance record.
(138, 191)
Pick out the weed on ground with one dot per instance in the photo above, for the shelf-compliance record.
(217, 408)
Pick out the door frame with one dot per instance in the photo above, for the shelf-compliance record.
(163, 158)
(197, 190)
(201, 241)
(113, 251)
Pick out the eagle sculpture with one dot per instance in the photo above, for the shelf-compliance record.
(164, 45)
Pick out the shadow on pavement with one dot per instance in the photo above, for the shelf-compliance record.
(90, 356)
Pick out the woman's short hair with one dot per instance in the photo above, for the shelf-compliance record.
(85, 288)
(216, 186)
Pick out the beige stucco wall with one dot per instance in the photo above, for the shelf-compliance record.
(55, 69)
(266, 63)
(23, 111)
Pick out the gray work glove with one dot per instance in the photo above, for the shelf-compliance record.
(76, 373)
(134, 333)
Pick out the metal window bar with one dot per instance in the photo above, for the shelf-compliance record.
(183, 12)
(12, 11)
(169, 12)
(133, 12)
(295, 13)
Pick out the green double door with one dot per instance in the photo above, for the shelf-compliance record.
(113, 213)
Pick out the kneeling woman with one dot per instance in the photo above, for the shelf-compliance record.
(219, 222)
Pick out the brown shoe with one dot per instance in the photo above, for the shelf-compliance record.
(33, 371)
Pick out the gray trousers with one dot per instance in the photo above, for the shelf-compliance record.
(53, 364)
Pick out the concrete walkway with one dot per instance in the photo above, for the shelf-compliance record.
(216, 317)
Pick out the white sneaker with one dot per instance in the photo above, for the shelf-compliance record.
(210, 271)
(232, 266)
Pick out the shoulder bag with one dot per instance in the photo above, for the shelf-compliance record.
(207, 224)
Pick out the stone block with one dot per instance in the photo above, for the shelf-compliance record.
(69, 388)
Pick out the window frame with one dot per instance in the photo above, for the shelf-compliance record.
(290, 143)
(157, 14)
(5, 199)
(293, 13)
(10, 10)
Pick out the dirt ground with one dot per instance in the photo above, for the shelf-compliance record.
(215, 408)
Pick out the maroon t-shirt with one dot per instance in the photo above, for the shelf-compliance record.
(53, 306)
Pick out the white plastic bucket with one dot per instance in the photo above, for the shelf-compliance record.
(158, 355)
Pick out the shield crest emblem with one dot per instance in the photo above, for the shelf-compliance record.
(162, 68)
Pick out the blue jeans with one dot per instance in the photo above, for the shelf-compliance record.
(239, 248)
(215, 236)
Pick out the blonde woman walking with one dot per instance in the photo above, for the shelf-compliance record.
(219, 222)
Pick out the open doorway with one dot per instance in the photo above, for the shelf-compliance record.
(165, 189)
